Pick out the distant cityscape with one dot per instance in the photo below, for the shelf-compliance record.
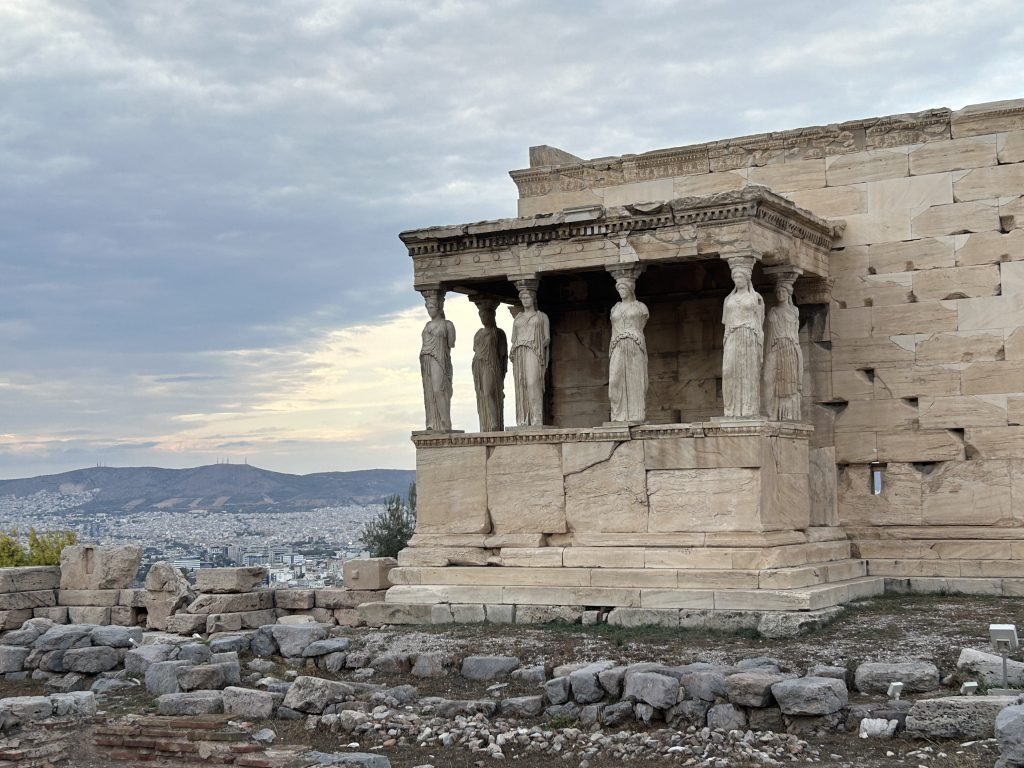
(301, 548)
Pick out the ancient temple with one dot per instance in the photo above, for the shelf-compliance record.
(766, 375)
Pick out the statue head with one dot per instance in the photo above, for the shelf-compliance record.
(528, 298)
(784, 291)
(626, 287)
(486, 308)
(434, 301)
(741, 278)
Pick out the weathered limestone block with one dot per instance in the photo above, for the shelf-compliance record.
(919, 445)
(992, 378)
(369, 573)
(525, 489)
(831, 202)
(234, 603)
(956, 218)
(92, 567)
(20, 601)
(220, 580)
(962, 411)
(167, 589)
(810, 695)
(705, 500)
(955, 283)
(293, 599)
(875, 227)
(918, 317)
(956, 717)
(427, 556)
(1011, 147)
(452, 490)
(29, 578)
(335, 599)
(233, 622)
(909, 192)
(103, 597)
(989, 668)
(955, 155)
(78, 614)
(872, 290)
(132, 598)
(248, 703)
(916, 676)
(125, 616)
(380, 613)
(947, 348)
(786, 177)
(995, 181)
(909, 255)
(989, 247)
(57, 614)
(967, 493)
(605, 486)
(872, 165)
(186, 623)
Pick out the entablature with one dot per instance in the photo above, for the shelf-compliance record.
(752, 220)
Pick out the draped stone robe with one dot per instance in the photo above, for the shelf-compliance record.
(783, 363)
(531, 336)
(743, 317)
(490, 362)
(436, 369)
(627, 362)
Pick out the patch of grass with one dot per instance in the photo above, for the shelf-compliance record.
(561, 721)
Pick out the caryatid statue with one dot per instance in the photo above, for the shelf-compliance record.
(531, 338)
(743, 318)
(627, 350)
(783, 358)
(436, 363)
(490, 362)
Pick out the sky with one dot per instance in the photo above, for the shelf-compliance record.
(200, 201)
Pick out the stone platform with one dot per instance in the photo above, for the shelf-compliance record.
(707, 516)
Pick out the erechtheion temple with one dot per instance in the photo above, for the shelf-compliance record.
(774, 373)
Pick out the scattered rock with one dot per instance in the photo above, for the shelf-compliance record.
(488, 667)
(810, 695)
(916, 676)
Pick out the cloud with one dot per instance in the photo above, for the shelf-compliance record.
(200, 202)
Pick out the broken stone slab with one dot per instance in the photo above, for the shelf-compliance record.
(239, 643)
(357, 759)
(221, 580)
(138, 660)
(488, 667)
(116, 637)
(706, 682)
(327, 646)
(12, 658)
(167, 590)
(258, 600)
(204, 677)
(132, 598)
(335, 599)
(726, 717)
(957, 717)
(64, 636)
(988, 667)
(186, 623)
(522, 706)
(58, 614)
(29, 632)
(14, 619)
(20, 601)
(293, 639)
(657, 690)
(92, 567)
(194, 703)
(29, 578)
(248, 703)
(92, 661)
(123, 616)
(916, 676)
(369, 573)
(1009, 730)
(754, 688)
(88, 597)
(377, 614)
(585, 685)
(429, 665)
(456, 707)
(162, 677)
(294, 599)
(234, 622)
(810, 695)
(313, 694)
(557, 690)
(89, 614)
(824, 670)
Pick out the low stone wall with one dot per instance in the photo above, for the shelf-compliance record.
(29, 592)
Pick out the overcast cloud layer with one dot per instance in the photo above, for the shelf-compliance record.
(200, 201)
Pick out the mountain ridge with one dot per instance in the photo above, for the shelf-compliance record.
(213, 486)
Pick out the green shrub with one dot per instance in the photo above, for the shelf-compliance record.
(389, 532)
(43, 548)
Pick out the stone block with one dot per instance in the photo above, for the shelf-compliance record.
(132, 598)
(94, 597)
(866, 415)
(993, 117)
(78, 614)
(123, 616)
(786, 177)
(916, 676)
(707, 184)
(20, 601)
(525, 489)
(29, 578)
(910, 255)
(234, 603)
(832, 202)
(984, 183)
(705, 500)
(234, 622)
(186, 623)
(92, 661)
(221, 580)
(949, 348)
(956, 717)
(956, 283)
(914, 318)
(894, 288)
(58, 614)
(871, 165)
(12, 658)
(962, 411)
(380, 613)
(440, 556)
(92, 567)
(368, 574)
(452, 490)
(248, 704)
(344, 598)
(605, 486)
(190, 704)
(1011, 147)
(954, 155)
(956, 218)
(810, 695)
(967, 493)
(989, 247)
(919, 446)
(914, 192)
(547, 614)
(992, 378)
(531, 557)
(294, 599)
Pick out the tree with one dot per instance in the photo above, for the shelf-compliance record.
(389, 532)
(12, 554)
(45, 548)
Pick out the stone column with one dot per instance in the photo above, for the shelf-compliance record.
(627, 349)
(490, 363)
(438, 339)
(783, 358)
(529, 352)
(743, 348)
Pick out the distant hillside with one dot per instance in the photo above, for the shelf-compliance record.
(217, 486)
